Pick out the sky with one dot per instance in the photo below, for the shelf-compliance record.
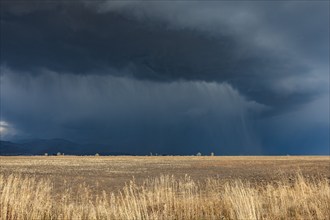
(173, 77)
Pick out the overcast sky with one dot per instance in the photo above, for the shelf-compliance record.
(176, 77)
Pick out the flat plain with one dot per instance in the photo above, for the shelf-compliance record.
(112, 172)
(164, 187)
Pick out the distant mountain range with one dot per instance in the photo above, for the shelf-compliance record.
(52, 147)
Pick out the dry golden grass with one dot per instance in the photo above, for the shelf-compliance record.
(166, 197)
(110, 173)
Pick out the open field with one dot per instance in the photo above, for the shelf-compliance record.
(73, 187)
(112, 172)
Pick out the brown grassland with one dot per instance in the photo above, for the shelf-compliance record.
(168, 187)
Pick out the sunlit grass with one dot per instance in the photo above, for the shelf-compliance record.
(167, 197)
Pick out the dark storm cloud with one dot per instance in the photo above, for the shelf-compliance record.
(272, 43)
(61, 62)
(247, 46)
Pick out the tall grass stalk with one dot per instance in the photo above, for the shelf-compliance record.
(167, 198)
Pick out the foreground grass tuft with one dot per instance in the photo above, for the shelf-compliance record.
(166, 197)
